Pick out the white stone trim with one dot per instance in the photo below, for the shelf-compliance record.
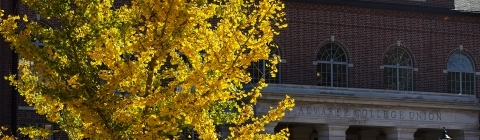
(359, 96)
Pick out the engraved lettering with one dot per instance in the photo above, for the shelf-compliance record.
(371, 113)
(431, 116)
(339, 113)
(357, 113)
(315, 109)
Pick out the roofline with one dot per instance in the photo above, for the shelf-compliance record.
(391, 6)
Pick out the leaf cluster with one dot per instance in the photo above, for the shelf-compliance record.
(146, 70)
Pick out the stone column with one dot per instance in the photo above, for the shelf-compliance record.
(270, 127)
(331, 132)
(370, 134)
(399, 133)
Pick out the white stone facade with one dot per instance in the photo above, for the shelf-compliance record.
(327, 113)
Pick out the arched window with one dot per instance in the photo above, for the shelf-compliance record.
(38, 43)
(261, 69)
(461, 74)
(332, 66)
(397, 70)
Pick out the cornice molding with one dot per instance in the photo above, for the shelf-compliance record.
(369, 97)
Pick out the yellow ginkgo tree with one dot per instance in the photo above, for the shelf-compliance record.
(149, 69)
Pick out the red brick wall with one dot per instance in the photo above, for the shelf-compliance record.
(5, 88)
(366, 35)
(5, 70)
(30, 117)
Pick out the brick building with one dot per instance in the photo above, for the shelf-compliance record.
(379, 69)
(358, 70)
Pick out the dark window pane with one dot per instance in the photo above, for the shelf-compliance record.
(332, 71)
(261, 69)
(397, 60)
(324, 76)
(405, 79)
(390, 80)
(468, 83)
(397, 56)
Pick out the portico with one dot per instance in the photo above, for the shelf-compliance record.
(326, 113)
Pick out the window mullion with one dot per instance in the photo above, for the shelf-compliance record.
(263, 69)
(461, 83)
(398, 79)
(331, 74)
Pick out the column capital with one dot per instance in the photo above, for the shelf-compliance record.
(400, 133)
(270, 127)
(331, 131)
(331, 127)
(399, 129)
